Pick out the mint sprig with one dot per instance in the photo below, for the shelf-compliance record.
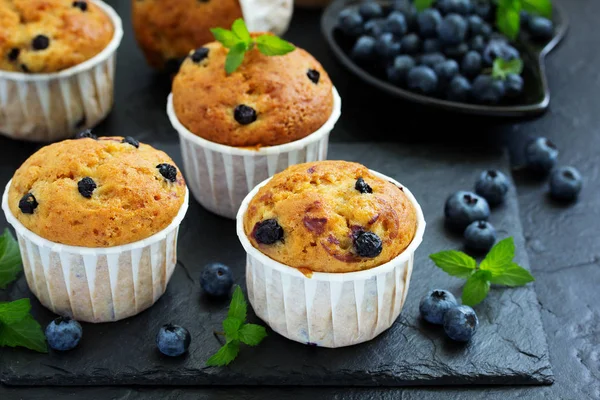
(501, 67)
(496, 268)
(237, 331)
(239, 41)
(10, 259)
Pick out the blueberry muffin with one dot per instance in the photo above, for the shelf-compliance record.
(167, 30)
(330, 216)
(267, 101)
(100, 192)
(43, 36)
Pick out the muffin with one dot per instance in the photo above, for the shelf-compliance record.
(330, 250)
(57, 58)
(238, 129)
(97, 222)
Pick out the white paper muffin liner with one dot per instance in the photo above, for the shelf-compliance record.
(97, 284)
(267, 15)
(221, 176)
(55, 106)
(328, 309)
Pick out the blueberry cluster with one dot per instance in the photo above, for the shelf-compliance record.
(440, 307)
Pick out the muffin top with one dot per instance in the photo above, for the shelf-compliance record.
(97, 193)
(330, 216)
(42, 36)
(267, 101)
(167, 30)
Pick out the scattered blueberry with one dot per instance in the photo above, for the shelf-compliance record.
(398, 71)
(475, 25)
(82, 5)
(434, 305)
(471, 64)
(364, 49)
(565, 183)
(429, 20)
(367, 244)
(480, 236)
(410, 44)
(446, 70)
(463, 208)
(387, 46)
(63, 334)
(40, 42)
(375, 27)
(216, 279)
(28, 204)
(132, 141)
(422, 79)
(168, 171)
(87, 134)
(492, 185)
(86, 187)
(369, 10)
(396, 24)
(432, 46)
(313, 75)
(362, 186)
(455, 6)
(514, 85)
(477, 44)
(244, 114)
(460, 323)
(498, 48)
(540, 28)
(173, 340)
(488, 90)
(268, 232)
(13, 54)
(350, 22)
(541, 155)
(453, 29)
(432, 59)
(199, 54)
(459, 89)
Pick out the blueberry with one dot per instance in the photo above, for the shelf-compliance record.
(168, 171)
(428, 21)
(362, 186)
(63, 334)
(350, 23)
(199, 54)
(364, 49)
(463, 208)
(565, 183)
(487, 90)
(453, 29)
(455, 6)
(244, 114)
(432, 46)
(483, 9)
(480, 236)
(13, 54)
(540, 28)
(367, 244)
(457, 52)
(541, 155)
(524, 18)
(40, 42)
(375, 27)
(410, 44)
(398, 71)
(492, 185)
(409, 11)
(132, 141)
(387, 46)
(471, 64)
(173, 340)
(434, 305)
(475, 25)
(477, 44)
(514, 85)
(313, 75)
(432, 59)
(82, 5)
(422, 79)
(459, 89)
(216, 279)
(396, 24)
(486, 31)
(369, 10)
(460, 323)
(268, 231)
(28, 203)
(86, 187)
(446, 70)
(87, 134)
(498, 48)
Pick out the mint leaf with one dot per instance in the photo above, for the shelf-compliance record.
(235, 57)
(25, 333)
(513, 275)
(227, 38)
(540, 7)
(241, 31)
(273, 46)
(421, 5)
(499, 256)
(476, 288)
(238, 306)
(225, 355)
(231, 326)
(455, 263)
(252, 334)
(508, 18)
(10, 259)
(14, 311)
(502, 67)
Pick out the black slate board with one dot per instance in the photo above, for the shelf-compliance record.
(509, 348)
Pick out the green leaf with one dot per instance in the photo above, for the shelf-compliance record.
(540, 7)
(241, 31)
(499, 256)
(227, 38)
(513, 275)
(10, 259)
(273, 46)
(508, 18)
(25, 333)
(231, 326)
(252, 334)
(225, 355)
(238, 306)
(502, 67)
(421, 5)
(455, 263)
(476, 288)
(235, 57)
(14, 311)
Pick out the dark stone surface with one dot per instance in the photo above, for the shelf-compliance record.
(509, 347)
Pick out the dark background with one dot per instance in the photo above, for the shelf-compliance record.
(562, 242)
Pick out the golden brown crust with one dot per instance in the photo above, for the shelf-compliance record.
(288, 104)
(168, 30)
(319, 209)
(74, 35)
(132, 200)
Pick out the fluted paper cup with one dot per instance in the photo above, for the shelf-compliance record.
(221, 176)
(328, 309)
(55, 106)
(97, 284)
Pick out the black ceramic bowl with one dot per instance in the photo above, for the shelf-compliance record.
(533, 102)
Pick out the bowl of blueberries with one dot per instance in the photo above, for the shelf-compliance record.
(480, 57)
